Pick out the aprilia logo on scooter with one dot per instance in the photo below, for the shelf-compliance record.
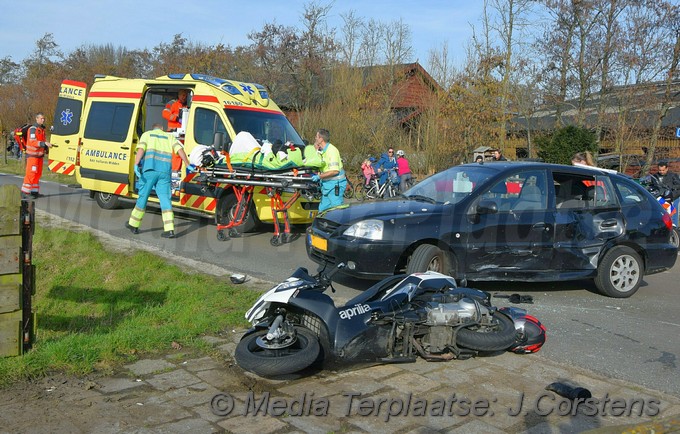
(353, 311)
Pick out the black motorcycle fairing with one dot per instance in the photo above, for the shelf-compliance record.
(351, 334)
(376, 290)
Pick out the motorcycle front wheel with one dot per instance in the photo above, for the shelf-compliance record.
(281, 361)
(483, 338)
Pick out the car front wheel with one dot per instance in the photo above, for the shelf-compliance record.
(428, 258)
(620, 272)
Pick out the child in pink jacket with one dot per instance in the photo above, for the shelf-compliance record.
(368, 170)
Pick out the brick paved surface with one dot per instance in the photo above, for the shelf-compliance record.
(186, 393)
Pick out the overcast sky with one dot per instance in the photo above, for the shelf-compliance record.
(139, 24)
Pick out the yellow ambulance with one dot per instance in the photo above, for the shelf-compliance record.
(95, 136)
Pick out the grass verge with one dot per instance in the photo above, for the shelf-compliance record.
(17, 167)
(97, 309)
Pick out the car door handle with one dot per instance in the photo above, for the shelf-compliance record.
(609, 223)
(541, 225)
(125, 147)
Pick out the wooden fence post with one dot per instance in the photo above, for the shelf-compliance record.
(17, 273)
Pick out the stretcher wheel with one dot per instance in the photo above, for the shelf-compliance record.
(221, 236)
(233, 233)
(290, 237)
(276, 240)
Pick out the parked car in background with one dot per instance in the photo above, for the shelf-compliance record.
(507, 221)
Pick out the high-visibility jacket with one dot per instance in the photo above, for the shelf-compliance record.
(35, 142)
(158, 147)
(172, 113)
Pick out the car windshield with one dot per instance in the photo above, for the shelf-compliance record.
(264, 125)
(452, 185)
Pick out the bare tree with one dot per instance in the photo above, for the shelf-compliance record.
(398, 47)
(441, 67)
(351, 37)
(611, 9)
(509, 24)
(371, 43)
(671, 19)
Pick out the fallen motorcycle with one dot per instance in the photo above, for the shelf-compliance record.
(296, 325)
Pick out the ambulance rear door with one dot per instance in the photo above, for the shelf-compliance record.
(65, 132)
(110, 136)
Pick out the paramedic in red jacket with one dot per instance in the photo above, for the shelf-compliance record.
(173, 114)
(35, 153)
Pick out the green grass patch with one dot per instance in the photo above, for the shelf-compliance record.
(97, 309)
(17, 167)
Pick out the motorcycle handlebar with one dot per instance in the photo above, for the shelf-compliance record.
(326, 279)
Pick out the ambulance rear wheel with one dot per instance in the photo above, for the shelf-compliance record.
(106, 200)
(226, 210)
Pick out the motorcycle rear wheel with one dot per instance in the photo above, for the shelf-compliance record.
(483, 339)
(275, 362)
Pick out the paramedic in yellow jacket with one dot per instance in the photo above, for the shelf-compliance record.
(154, 151)
(331, 174)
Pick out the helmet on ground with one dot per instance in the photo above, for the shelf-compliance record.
(400, 153)
(530, 338)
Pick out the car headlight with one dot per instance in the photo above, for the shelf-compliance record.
(368, 229)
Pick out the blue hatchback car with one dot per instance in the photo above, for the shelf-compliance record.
(505, 221)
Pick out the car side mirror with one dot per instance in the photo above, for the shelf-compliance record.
(218, 141)
(487, 207)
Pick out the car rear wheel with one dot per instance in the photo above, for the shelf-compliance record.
(106, 200)
(428, 258)
(620, 272)
(675, 237)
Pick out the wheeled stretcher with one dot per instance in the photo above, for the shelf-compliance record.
(244, 179)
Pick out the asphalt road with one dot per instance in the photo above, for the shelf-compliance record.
(634, 339)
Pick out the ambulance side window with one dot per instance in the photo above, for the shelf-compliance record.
(109, 121)
(206, 124)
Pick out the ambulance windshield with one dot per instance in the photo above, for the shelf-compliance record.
(270, 126)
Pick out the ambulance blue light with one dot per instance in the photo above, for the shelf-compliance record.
(263, 91)
(209, 79)
(231, 89)
(176, 76)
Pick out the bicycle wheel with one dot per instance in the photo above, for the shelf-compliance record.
(349, 190)
(359, 192)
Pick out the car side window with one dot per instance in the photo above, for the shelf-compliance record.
(206, 124)
(629, 195)
(520, 192)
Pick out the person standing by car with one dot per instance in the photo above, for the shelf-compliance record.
(36, 145)
(671, 182)
(331, 174)
(403, 170)
(498, 156)
(583, 159)
(387, 166)
(155, 148)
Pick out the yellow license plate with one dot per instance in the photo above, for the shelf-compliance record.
(319, 243)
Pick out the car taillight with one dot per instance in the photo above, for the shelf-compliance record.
(667, 221)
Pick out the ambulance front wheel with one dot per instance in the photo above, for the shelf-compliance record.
(227, 211)
(106, 200)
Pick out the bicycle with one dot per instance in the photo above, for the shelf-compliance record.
(349, 190)
(375, 190)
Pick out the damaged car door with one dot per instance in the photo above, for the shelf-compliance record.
(587, 218)
(511, 228)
